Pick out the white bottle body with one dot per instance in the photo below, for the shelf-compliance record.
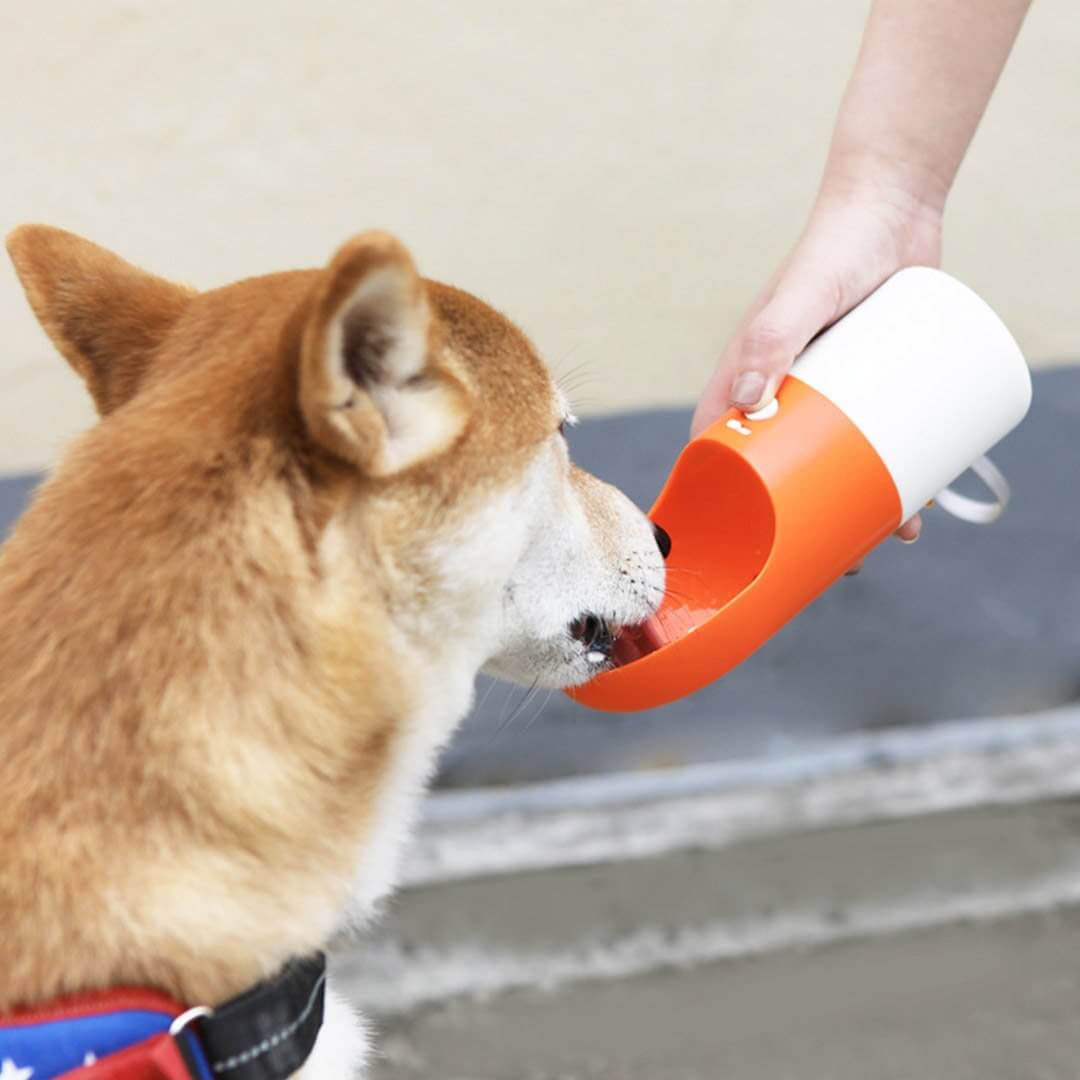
(928, 373)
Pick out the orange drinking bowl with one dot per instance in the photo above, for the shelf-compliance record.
(735, 506)
(766, 510)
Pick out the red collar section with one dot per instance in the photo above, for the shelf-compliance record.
(266, 1033)
(119, 1034)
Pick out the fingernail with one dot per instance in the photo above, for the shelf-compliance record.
(910, 531)
(748, 389)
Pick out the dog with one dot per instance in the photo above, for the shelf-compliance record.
(243, 615)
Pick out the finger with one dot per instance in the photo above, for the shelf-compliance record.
(801, 306)
(754, 363)
(910, 531)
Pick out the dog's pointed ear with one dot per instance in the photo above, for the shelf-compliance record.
(371, 390)
(104, 315)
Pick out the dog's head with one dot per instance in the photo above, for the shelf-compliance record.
(418, 428)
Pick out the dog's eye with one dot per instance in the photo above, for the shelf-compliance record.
(563, 425)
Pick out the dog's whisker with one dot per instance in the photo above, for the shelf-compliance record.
(508, 706)
(486, 694)
(526, 698)
(580, 381)
(676, 593)
(671, 570)
(571, 382)
(540, 711)
(534, 690)
(562, 374)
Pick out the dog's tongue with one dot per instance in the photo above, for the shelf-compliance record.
(634, 642)
(667, 625)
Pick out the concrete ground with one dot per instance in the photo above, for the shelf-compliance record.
(910, 910)
(965, 1002)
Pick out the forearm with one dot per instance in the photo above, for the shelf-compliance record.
(922, 80)
(924, 74)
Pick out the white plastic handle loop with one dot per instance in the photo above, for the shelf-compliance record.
(977, 511)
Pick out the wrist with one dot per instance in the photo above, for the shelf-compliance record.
(894, 177)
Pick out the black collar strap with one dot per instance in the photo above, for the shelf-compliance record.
(269, 1031)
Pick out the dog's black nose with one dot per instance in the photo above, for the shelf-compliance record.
(663, 541)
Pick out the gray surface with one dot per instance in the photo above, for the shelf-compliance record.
(15, 491)
(963, 1002)
(686, 907)
(969, 622)
(935, 944)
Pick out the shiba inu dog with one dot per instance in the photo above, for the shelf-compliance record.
(246, 611)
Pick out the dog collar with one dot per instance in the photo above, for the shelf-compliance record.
(266, 1033)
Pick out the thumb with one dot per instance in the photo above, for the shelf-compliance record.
(763, 353)
(759, 356)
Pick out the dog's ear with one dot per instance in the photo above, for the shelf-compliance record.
(104, 315)
(371, 391)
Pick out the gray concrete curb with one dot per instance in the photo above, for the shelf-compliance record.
(858, 778)
(599, 879)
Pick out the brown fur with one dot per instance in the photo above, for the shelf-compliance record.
(193, 716)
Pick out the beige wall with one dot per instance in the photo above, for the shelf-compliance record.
(618, 176)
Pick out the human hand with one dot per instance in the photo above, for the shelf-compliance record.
(855, 239)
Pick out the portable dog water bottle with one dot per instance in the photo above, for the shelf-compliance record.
(766, 510)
